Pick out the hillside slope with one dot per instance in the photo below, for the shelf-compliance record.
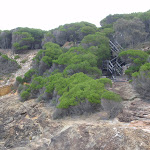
(29, 125)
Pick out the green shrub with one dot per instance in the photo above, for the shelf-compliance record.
(135, 57)
(106, 81)
(16, 57)
(145, 67)
(5, 57)
(52, 52)
(75, 89)
(135, 74)
(111, 96)
(19, 79)
(37, 83)
(28, 75)
(25, 95)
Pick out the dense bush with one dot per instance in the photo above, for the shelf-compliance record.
(43, 60)
(19, 79)
(111, 96)
(77, 59)
(16, 57)
(73, 32)
(27, 38)
(129, 33)
(141, 81)
(25, 95)
(111, 103)
(136, 58)
(28, 75)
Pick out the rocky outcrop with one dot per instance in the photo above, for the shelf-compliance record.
(96, 137)
(135, 110)
(29, 125)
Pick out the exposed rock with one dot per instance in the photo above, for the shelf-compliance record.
(135, 110)
(124, 89)
(96, 137)
(29, 125)
(5, 89)
(68, 45)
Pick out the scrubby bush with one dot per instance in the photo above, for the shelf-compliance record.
(28, 75)
(25, 95)
(141, 81)
(43, 60)
(16, 57)
(111, 96)
(106, 81)
(95, 40)
(136, 58)
(19, 79)
(111, 103)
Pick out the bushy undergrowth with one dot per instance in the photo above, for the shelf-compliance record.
(141, 81)
(108, 95)
(136, 58)
(77, 83)
(73, 90)
(51, 52)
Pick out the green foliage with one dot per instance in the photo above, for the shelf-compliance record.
(28, 38)
(16, 57)
(5, 57)
(98, 44)
(141, 81)
(25, 41)
(73, 32)
(111, 96)
(19, 79)
(88, 30)
(107, 30)
(145, 67)
(113, 18)
(106, 81)
(51, 52)
(17, 46)
(25, 95)
(75, 89)
(77, 59)
(95, 39)
(28, 75)
(37, 83)
(135, 57)
(102, 52)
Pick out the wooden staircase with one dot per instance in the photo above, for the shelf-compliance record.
(114, 66)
